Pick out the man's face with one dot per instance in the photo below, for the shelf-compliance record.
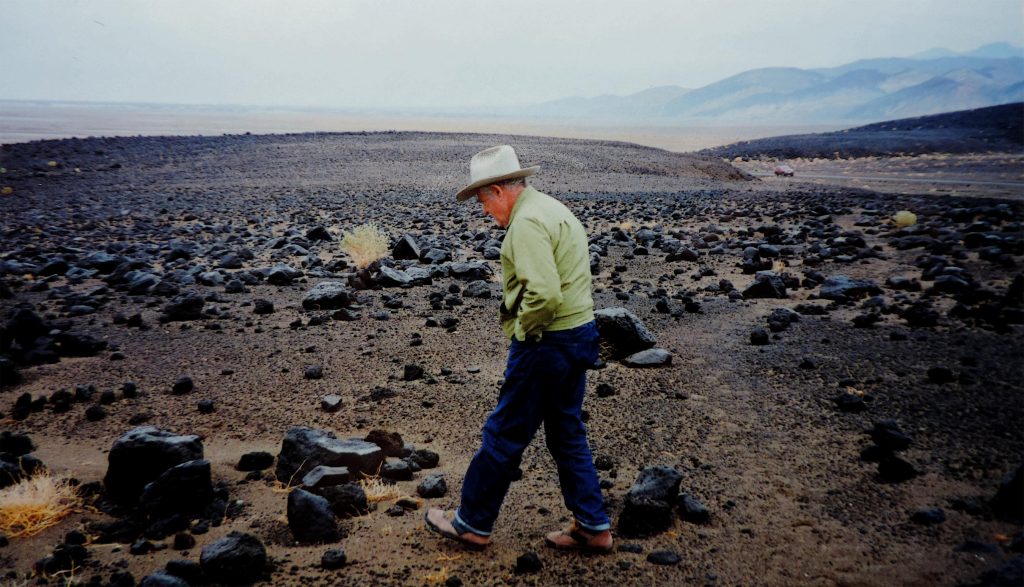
(496, 203)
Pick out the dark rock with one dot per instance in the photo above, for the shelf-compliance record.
(143, 454)
(692, 510)
(262, 307)
(304, 448)
(183, 541)
(893, 469)
(887, 434)
(347, 499)
(73, 344)
(849, 402)
(327, 295)
(433, 486)
(664, 557)
(759, 337)
(425, 459)
(234, 559)
(95, 413)
(648, 504)
(313, 372)
(528, 563)
(331, 403)
(188, 570)
(255, 461)
(941, 375)
(649, 358)
(623, 331)
(1009, 499)
(841, 288)
(477, 289)
(470, 271)
(390, 442)
(183, 385)
(412, 372)
(928, 517)
(322, 476)
(310, 517)
(282, 274)
(780, 319)
(16, 444)
(318, 233)
(333, 559)
(184, 488)
(1009, 574)
(162, 579)
(766, 285)
(391, 277)
(185, 307)
(396, 471)
(406, 248)
(605, 390)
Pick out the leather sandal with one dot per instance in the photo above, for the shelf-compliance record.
(440, 524)
(577, 538)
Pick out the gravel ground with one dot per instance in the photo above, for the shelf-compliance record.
(752, 428)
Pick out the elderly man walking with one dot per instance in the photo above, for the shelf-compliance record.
(548, 314)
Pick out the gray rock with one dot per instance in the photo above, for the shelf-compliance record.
(664, 557)
(331, 403)
(143, 454)
(390, 277)
(841, 288)
(766, 285)
(396, 470)
(477, 289)
(304, 448)
(236, 558)
(323, 476)
(436, 256)
(310, 518)
(327, 295)
(333, 559)
(347, 499)
(649, 358)
(623, 331)
(470, 271)
(282, 274)
(692, 510)
(162, 579)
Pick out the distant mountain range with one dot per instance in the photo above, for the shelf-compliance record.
(938, 80)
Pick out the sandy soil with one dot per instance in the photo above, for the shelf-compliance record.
(755, 435)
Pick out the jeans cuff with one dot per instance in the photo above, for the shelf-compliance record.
(461, 527)
(594, 527)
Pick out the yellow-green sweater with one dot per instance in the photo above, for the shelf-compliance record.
(545, 266)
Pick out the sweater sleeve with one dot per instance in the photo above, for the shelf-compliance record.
(534, 260)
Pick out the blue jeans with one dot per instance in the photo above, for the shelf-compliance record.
(544, 384)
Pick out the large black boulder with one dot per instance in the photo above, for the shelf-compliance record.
(143, 454)
(237, 558)
(310, 517)
(304, 448)
(184, 488)
(623, 331)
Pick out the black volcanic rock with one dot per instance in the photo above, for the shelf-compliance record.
(185, 307)
(310, 517)
(304, 448)
(235, 559)
(141, 455)
(623, 331)
(648, 504)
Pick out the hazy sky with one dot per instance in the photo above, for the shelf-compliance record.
(424, 53)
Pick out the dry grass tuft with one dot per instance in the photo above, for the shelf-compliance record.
(904, 218)
(626, 226)
(35, 504)
(438, 578)
(365, 244)
(778, 266)
(377, 490)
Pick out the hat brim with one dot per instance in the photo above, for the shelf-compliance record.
(467, 192)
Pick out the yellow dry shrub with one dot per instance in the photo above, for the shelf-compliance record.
(904, 218)
(377, 490)
(35, 504)
(438, 578)
(365, 244)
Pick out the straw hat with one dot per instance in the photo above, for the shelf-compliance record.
(491, 166)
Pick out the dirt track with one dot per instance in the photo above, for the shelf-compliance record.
(753, 429)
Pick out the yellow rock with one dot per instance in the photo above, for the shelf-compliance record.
(7, 190)
(52, 163)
